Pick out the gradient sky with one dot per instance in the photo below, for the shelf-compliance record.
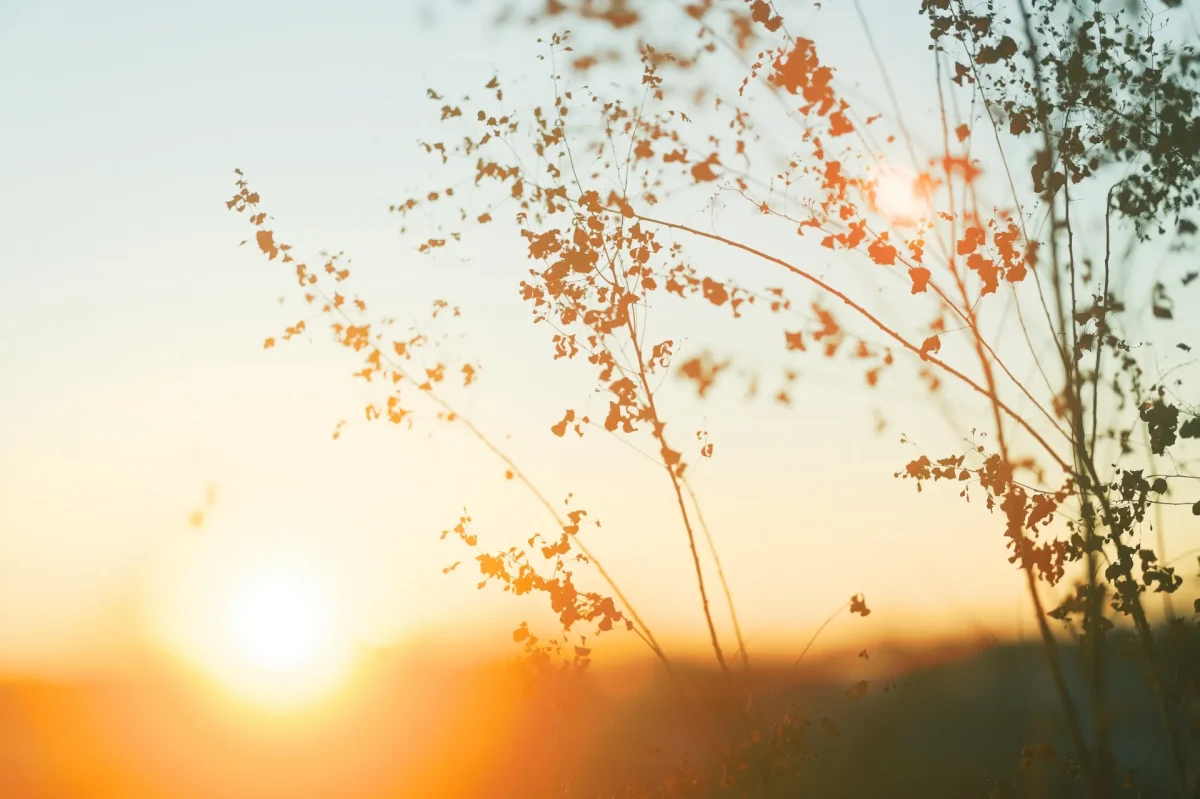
(133, 372)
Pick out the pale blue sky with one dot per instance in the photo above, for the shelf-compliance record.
(130, 343)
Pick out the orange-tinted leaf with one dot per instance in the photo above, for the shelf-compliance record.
(703, 171)
(266, 243)
(881, 252)
(972, 238)
(560, 428)
(920, 279)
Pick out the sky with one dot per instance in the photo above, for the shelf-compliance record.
(134, 375)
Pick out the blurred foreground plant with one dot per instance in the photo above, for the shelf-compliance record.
(1083, 112)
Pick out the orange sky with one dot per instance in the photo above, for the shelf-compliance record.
(135, 375)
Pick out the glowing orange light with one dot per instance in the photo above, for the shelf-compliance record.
(282, 622)
(898, 195)
(281, 619)
(272, 626)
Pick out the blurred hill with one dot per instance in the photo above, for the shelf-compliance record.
(942, 722)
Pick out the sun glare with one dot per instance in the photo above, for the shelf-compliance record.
(264, 615)
(897, 195)
(280, 619)
(282, 624)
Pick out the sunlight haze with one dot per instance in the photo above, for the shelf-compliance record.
(172, 488)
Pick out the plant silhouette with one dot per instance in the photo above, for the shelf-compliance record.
(1082, 115)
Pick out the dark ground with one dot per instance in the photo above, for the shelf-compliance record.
(945, 723)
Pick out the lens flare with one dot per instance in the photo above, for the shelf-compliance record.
(281, 619)
(897, 195)
(282, 632)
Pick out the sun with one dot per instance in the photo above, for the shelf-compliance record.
(281, 619)
(265, 607)
(282, 637)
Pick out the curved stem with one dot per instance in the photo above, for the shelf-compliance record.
(712, 548)
(817, 634)
(878, 323)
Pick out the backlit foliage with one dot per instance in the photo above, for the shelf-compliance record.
(1041, 106)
